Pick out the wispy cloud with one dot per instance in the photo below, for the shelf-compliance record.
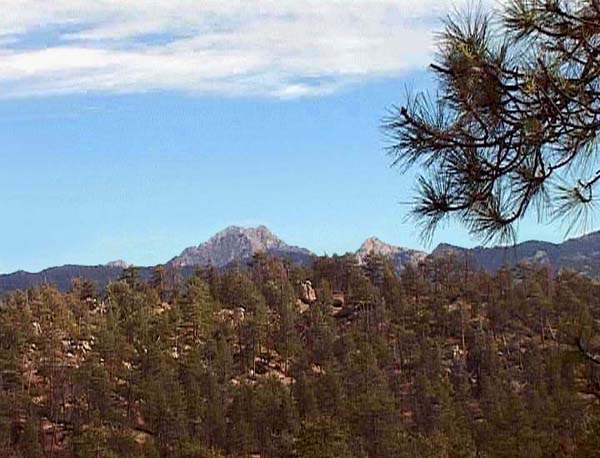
(281, 48)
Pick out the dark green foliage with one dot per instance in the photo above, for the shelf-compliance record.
(440, 360)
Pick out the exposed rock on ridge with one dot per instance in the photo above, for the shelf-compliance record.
(119, 263)
(238, 244)
(400, 256)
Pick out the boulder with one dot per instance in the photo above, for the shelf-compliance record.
(307, 293)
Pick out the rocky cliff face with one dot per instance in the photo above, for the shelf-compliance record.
(238, 245)
(400, 256)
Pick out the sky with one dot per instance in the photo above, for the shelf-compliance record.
(132, 129)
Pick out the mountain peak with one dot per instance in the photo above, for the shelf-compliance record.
(398, 255)
(376, 246)
(445, 249)
(247, 231)
(236, 244)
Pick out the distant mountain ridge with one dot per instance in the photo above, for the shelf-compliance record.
(61, 277)
(237, 245)
(581, 254)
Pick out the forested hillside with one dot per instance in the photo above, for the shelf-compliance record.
(277, 360)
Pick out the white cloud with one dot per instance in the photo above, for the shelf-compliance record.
(281, 48)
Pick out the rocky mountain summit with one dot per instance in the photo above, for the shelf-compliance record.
(400, 256)
(238, 245)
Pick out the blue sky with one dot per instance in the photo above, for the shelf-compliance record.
(132, 132)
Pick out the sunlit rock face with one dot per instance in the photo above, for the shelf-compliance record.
(399, 256)
(119, 263)
(237, 244)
